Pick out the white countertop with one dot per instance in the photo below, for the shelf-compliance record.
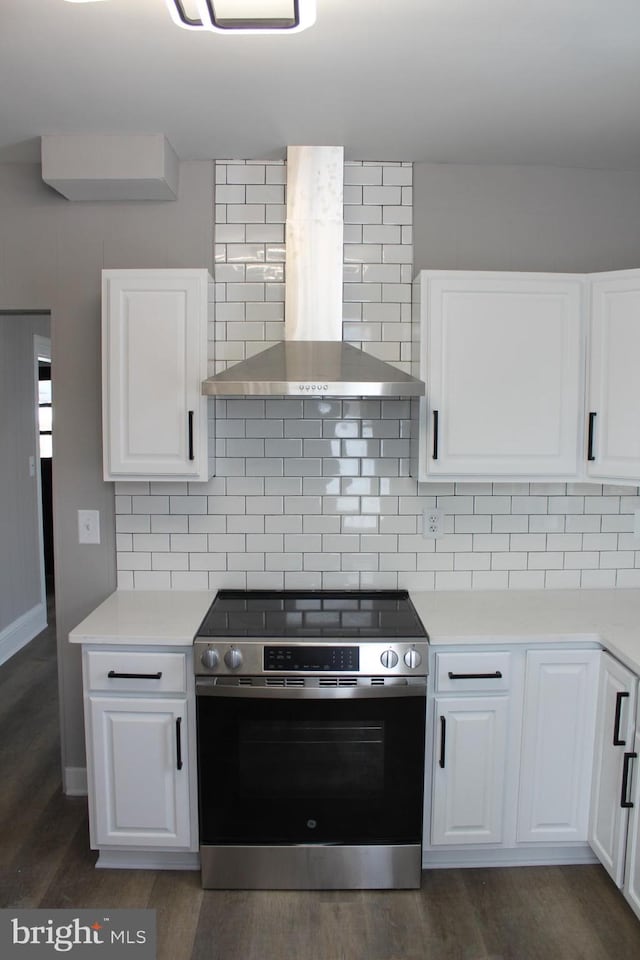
(145, 617)
(608, 617)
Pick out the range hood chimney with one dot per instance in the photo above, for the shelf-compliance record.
(313, 360)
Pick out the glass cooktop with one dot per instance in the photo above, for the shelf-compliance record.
(320, 615)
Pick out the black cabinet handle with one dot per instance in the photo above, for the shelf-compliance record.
(133, 676)
(624, 803)
(178, 743)
(191, 456)
(435, 434)
(443, 739)
(592, 420)
(617, 742)
(476, 676)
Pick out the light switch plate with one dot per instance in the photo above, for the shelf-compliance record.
(88, 526)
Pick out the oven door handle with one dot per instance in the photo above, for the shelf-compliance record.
(207, 687)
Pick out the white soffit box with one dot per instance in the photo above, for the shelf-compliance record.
(110, 166)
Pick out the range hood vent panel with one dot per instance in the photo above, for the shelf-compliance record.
(305, 368)
(313, 360)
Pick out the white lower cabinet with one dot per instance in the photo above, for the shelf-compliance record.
(632, 879)
(469, 774)
(141, 792)
(512, 755)
(557, 745)
(614, 832)
(140, 741)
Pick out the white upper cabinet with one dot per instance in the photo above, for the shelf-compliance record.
(503, 358)
(154, 359)
(613, 409)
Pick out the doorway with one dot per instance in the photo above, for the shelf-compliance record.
(24, 339)
(44, 421)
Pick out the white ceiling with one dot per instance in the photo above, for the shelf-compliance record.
(465, 81)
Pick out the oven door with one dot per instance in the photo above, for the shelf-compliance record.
(311, 766)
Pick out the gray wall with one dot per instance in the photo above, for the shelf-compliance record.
(20, 585)
(51, 255)
(525, 218)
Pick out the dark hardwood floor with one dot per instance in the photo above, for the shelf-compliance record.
(526, 913)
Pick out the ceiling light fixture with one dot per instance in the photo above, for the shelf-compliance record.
(244, 16)
(241, 16)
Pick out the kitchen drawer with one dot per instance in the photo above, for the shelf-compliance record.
(472, 672)
(143, 669)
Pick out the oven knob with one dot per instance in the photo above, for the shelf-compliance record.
(388, 658)
(412, 658)
(210, 658)
(233, 658)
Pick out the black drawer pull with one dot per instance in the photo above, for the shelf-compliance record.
(443, 739)
(133, 676)
(624, 803)
(592, 420)
(476, 676)
(191, 454)
(435, 434)
(178, 743)
(617, 742)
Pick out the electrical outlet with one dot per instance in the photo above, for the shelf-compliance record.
(88, 526)
(432, 523)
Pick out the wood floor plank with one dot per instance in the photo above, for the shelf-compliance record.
(177, 897)
(24, 881)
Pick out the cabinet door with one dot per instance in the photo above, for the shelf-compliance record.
(469, 770)
(557, 745)
(613, 438)
(154, 361)
(503, 357)
(632, 877)
(140, 784)
(615, 724)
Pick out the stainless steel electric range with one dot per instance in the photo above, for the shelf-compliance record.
(311, 740)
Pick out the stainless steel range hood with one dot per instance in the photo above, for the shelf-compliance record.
(313, 360)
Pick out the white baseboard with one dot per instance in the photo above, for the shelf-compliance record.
(545, 855)
(75, 781)
(21, 631)
(147, 860)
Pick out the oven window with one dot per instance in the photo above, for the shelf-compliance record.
(310, 771)
(305, 758)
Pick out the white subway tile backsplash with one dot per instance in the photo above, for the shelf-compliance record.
(526, 579)
(170, 523)
(170, 561)
(489, 580)
(130, 523)
(283, 561)
(314, 523)
(598, 579)
(545, 561)
(510, 523)
(152, 580)
(628, 578)
(315, 493)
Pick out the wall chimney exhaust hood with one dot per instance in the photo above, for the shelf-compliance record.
(313, 360)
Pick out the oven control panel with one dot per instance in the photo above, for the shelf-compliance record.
(312, 659)
(253, 658)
